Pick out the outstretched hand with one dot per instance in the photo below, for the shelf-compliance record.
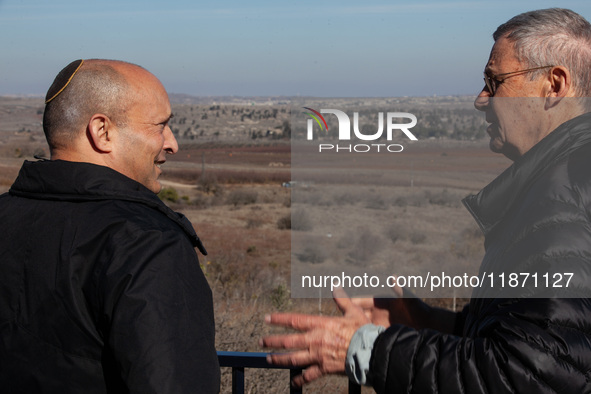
(406, 309)
(322, 343)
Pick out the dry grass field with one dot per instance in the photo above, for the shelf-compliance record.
(232, 192)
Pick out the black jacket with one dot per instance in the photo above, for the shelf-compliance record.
(100, 288)
(536, 217)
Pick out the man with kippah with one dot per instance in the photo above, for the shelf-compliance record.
(101, 288)
(520, 336)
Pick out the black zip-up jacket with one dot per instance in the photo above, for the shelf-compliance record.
(536, 217)
(100, 288)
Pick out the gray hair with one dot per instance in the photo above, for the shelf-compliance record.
(552, 37)
(96, 88)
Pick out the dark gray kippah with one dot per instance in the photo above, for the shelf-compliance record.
(63, 79)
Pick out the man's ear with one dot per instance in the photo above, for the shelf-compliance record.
(561, 81)
(559, 85)
(100, 131)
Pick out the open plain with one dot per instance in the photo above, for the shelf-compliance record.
(229, 185)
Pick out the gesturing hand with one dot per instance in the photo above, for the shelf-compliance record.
(405, 308)
(402, 308)
(322, 344)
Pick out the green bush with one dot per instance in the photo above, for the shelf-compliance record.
(168, 194)
(280, 297)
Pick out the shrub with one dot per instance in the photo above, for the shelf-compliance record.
(300, 220)
(209, 184)
(168, 194)
(346, 198)
(201, 201)
(444, 198)
(417, 238)
(366, 245)
(284, 223)
(401, 201)
(287, 202)
(242, 197)
(314, 254)
(394, 233)
(253, 222)
(468, 244)
(375, 202)
(280, 297)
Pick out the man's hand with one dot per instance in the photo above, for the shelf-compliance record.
(405, 308)
(322, 342)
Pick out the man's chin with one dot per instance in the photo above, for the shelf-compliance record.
(506, 150)
(154, 186)
(495, 145)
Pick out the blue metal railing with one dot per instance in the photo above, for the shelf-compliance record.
(240, 360)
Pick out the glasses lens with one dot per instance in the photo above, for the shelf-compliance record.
(490, 84)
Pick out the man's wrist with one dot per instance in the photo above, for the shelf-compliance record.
(359, 353)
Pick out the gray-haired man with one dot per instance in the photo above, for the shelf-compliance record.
(536, 218)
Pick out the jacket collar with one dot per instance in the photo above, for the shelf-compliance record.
(73, 181)
(491, 204)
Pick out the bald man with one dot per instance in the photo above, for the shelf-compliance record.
(101, 288)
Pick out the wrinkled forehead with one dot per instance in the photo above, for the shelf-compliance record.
(502, 53)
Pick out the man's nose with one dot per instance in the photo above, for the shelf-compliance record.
(482, 101)
(170, 144)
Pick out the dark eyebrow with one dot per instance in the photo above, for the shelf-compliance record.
(167, 119)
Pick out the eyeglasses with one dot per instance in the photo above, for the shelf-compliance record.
(492, 81)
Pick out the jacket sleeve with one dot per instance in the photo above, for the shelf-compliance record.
(522, 346)
(158, 315)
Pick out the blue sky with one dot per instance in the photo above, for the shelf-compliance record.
(260, 48)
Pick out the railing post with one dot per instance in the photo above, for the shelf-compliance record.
(237, 380)
(354, 388)
(293, 373)
(238, 361)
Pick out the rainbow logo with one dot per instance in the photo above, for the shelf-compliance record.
(315, 115)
